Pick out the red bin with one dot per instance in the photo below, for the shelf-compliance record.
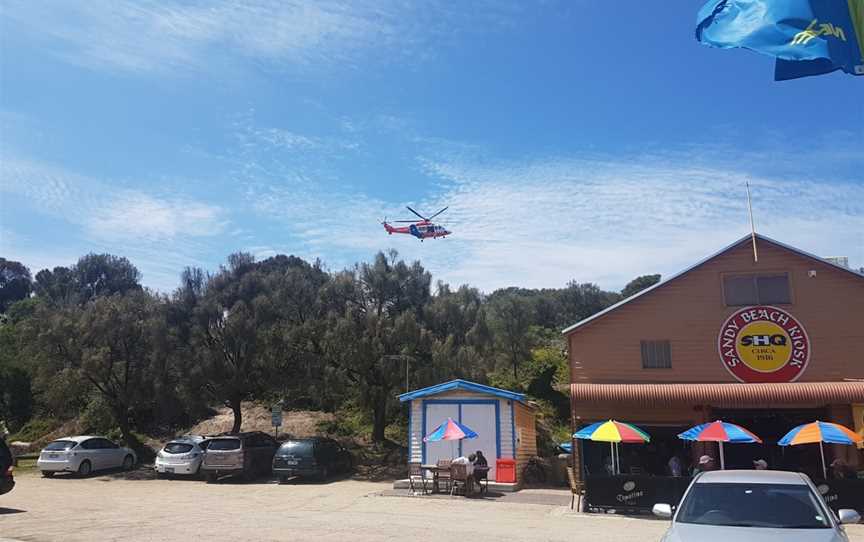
(505, 470)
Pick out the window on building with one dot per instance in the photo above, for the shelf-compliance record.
(656, 355)
(742, 290)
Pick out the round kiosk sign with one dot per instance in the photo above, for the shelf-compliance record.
(764, 344)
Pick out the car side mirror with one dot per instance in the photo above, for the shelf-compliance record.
(848, 516)
(662, 510)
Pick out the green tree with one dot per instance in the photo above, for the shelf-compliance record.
(107, 345)
(377, 328)
(638, 284)
(227, 340)
(92, 276)
(15, 283)
(511, 319)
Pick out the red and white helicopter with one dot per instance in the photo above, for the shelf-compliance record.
(422, 229)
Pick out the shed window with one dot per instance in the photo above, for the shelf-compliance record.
(740, 290)
(656, 355)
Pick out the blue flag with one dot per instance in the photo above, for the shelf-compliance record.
(807, 37)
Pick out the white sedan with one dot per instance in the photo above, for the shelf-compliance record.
(83, 455)
(180, 456)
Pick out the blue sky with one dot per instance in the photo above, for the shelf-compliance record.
(579, 139)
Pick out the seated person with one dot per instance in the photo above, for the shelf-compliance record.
(480, 461)
(462, 460)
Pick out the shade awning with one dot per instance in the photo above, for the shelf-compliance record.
(722, 395)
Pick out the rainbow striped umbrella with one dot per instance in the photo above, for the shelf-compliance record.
(818, 431)
(450, 430)
(719, 431)
(613, 432)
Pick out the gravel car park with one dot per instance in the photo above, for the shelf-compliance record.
(84, 455)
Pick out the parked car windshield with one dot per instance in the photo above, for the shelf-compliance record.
(296, 448)
(224, 444)
(60, 445)
(777, 506)
(178, 447)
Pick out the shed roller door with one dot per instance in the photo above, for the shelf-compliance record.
(481, 418)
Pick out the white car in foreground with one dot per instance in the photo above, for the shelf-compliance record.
(83, 455)
(754, 506)
(180, 456)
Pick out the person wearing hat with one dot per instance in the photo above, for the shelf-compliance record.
(706, 463)
(760, 464)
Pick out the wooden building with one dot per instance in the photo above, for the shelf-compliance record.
(503, 420)
(767, 343)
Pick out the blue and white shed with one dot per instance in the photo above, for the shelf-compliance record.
(503, 420)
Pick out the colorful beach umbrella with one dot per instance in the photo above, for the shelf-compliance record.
(720, 432)
(450, 430)
(818, 431)
(613, 432)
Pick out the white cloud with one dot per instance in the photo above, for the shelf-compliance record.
(159, 233)
(150, 36)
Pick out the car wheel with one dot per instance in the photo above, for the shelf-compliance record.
(211, 477)
(283, 479)
(47, 474)
(128, 462)
(324, 474)
(85, 468)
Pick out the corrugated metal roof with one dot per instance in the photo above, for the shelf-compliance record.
(703, 261)
(462, 385)
(731, 395)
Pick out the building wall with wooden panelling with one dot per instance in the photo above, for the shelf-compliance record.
(690, 310)
(526, 436)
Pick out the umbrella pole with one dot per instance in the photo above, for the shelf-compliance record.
(822, 453)
(722, 458)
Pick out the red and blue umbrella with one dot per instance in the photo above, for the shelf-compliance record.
(811, 433)
(450, 430)
(721, 432)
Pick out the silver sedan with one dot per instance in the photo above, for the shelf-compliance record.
(754, 506)
(83, 455)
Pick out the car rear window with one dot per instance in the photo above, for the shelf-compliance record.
(60, 445)
(178, 447)
(224, 444)
(297, 448)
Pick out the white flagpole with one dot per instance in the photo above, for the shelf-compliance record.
(752, 224)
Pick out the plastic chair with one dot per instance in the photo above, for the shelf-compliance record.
(443, 472)
(415, 476)
(458, 477)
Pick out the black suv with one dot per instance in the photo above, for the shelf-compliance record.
(247, 454)
(315, 457)
(6, 464)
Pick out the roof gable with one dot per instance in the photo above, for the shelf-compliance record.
(717, 254)
(462, 385)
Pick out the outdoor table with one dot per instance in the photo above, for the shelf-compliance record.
(435, 470)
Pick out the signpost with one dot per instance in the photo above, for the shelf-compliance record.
(276, 418)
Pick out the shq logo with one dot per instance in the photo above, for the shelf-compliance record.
(763, 344)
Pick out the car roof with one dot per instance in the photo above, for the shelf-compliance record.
(79, 438)
(313, 439)
(751, 477)
(187, 439)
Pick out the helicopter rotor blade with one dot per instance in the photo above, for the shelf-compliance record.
(438, 213)
(416, 213)
(405, 221)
